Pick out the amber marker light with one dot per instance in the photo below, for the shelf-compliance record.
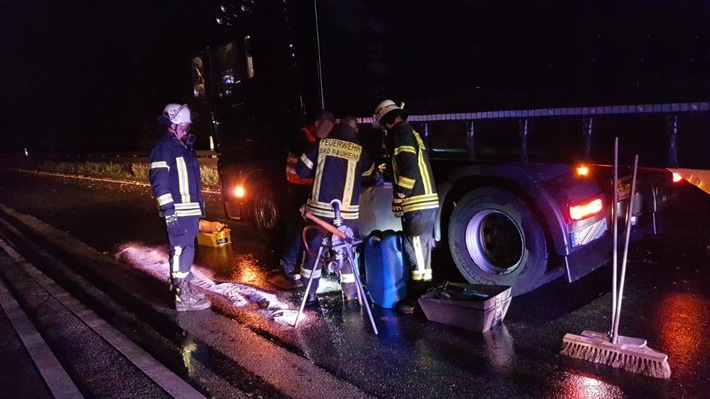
(583, 170)
(586, 209)
(239, 192)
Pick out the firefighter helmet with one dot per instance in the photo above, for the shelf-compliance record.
(387, 111)
(174, 114)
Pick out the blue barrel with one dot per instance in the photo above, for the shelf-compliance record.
(385, 273)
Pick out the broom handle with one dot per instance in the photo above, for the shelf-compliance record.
(615, 334)
(615, 241)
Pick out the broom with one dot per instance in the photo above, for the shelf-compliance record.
(627, 353)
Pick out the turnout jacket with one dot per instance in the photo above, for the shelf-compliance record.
(303, 140)
(336, 165)
(175, 177)
(411, 170)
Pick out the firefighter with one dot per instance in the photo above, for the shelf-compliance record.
(415, 199)
(336, 164)
(175, 178)
(298, 191)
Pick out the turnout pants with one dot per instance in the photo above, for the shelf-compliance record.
(418, 229)
(292, 252)
(182, 249)
(310, 269)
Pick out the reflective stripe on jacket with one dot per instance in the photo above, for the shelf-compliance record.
(309, 135)
(412, 172)
(175, 177)
(336, 164)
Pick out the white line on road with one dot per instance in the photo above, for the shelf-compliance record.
(160, 374)
(54, 375)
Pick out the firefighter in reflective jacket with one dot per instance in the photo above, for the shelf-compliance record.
(298, 191)
(336, 165)
(415, 198)
(175, 179)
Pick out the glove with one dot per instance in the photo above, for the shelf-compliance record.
(397, 207)
(173, 223)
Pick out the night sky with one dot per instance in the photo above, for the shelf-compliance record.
(93, 75)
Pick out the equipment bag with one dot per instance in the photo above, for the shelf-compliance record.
(385, 273)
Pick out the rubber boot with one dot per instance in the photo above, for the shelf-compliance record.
(311, 297)
(410, 303)
(174, 285)
(186, 299)
(349, 291)
(291, 278)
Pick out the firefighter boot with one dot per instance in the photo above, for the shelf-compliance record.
(410, 303)
(186, 299)
(349, 291)
(174, 282)
(311, 297)
(291, 279)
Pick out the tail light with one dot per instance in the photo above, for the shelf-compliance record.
(586, 209)
(677, 178)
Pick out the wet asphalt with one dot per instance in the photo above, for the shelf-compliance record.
(666, 302)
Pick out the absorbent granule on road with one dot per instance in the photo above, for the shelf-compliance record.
(154, 261)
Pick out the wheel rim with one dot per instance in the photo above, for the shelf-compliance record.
(495, 242)
(266, 214)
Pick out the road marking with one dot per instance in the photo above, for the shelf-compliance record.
(54, 375)
(281, 368)
(161, 375)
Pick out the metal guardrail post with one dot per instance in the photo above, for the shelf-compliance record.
(523, 131)
(587, 126)
(672, 131)
(470, 133)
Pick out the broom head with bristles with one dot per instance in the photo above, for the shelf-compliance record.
(630, 354)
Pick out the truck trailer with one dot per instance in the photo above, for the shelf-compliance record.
(522, 163)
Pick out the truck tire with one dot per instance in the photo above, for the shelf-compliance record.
(495, 238)
(266, 216)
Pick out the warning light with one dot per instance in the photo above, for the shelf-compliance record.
(583, 170)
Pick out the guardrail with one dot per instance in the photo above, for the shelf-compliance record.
(586, 114)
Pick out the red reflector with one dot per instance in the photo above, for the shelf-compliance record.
(585, 210)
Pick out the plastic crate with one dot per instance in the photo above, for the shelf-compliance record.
(475, 312)
(215, 239)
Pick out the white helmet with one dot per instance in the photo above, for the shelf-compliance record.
(384, 108)
(176, 114)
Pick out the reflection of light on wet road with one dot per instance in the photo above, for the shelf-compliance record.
(250, 274)
(682, 320)
(154, 261)
(186, 351)
(573, 386)
(499, 348)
